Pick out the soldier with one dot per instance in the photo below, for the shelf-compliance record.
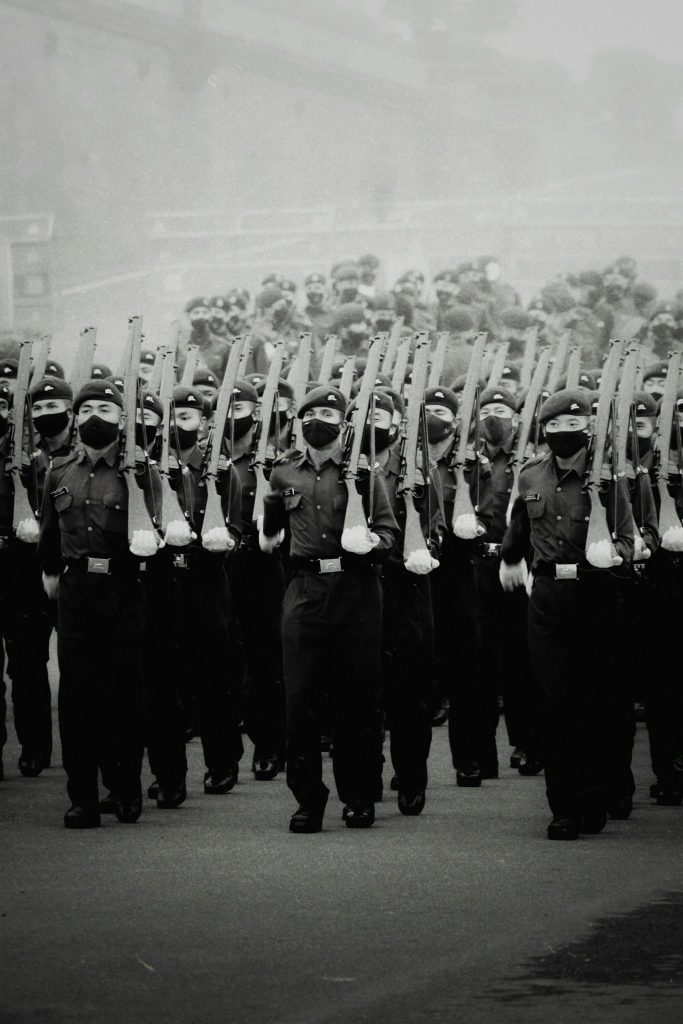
(351, 327)
(317, 309)
(368, 267)
(446, 288)
(213, 349)
(276, 319)
(219, 312)
(573, 612)
(146, 368)
(206, 383)
(654, 379)
(662, 330)
(87, 565)
(332, 617)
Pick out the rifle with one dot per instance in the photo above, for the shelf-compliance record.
(627, 387)
(559, 360)
(531, 340)
(389, 357)
(267, 402)
(81, 371)
(597, 525)
(436, 368)
(401, 365)
(154, 382)
(463, 502)
(299, 383)
(42, 352)
(668, 516)
(640, 370)
(329, 353)
(171, 509)
(574, 367)
(139, 517)
(413, 538)
(498, 364)
(355, 514)
(346, 382)
(190, 367)
(213, 513)
(528, 414)
(21, 412)
(245, 353)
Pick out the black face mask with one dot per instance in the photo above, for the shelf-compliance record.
(438, 429)
(278, 421)
(496, 430)
(662, 331)
(98, 433)
(348, 294)
(144, 435)
(240, 426)
(4, 426)
(382, 325)
(314, 299)
(186, 438)
(354, 340)
(51, 423)
(644, 446)
(217, 325)
(382, 439)
(318, 433)
(566, 443)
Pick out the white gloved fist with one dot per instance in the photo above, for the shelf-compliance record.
(599, 554)
(51, 586)
(641, 551)
(529, 585)
(467, 528)
(144, 543)
(27, 530)
(421, 562)
(178, 533)
(218, 539)
(672, 539)
(512, 576)
(358, 540)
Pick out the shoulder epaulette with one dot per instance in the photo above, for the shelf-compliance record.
(287, 456)
(63, 460)
(537, 460)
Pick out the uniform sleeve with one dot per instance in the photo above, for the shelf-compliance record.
(49, 537)
(480, 482)
(383, 522)
(515, 544)
(231, 502)
(645, 512)
(620, 519)
(149, 481)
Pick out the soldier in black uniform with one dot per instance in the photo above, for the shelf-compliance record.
(573, 612)
(332, 617)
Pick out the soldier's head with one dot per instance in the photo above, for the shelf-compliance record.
(498, 415)
(199, 311)
(566, 421)
(646, 421)
(188, 417)
(148, 421)
(272, 304)
(8, 373)
(314, 286)
(663, 326)
(441, 405)
(351, 327)
(368, 267)
(146, 367)
(51, 406)
(241, 411)
(654, 379)
(615, 285)
(219, 314)
(5, 403)
(99, 413)
(445, 286)
(380, 415)
(280, 417)
(383, 311)
(322, 413)
(345, 282)
(206, 383)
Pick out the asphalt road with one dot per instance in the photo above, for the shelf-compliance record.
(215, 913)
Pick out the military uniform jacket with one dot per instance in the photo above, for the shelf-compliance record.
(190, 483)
(430, 507)
(479, 483)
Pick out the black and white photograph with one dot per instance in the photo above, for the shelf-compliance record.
(341, 512)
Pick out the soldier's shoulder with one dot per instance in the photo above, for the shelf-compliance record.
(534, 463)
(60, 461)
(287, 458)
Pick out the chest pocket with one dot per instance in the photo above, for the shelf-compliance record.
(339, 502)
(535, 507)
(64, 504)
(580, 513)
(292, 502)
(115, 511)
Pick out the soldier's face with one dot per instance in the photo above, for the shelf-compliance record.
(188, 419)
(49, 405)
(108, 411)
(645, 426)
(200, 314)
(11, 384)
(654, 385)
(564, 422)
(315, 293)
(207, 390)
(243, 409)
(322, 412)
(145, 371)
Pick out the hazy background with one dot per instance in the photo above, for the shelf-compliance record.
(161, 148)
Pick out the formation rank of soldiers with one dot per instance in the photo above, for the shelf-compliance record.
(348, 526)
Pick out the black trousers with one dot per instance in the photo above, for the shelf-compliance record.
(206, 641)
(473, 717)
(101, 697)
(26, 622)
(504, 659)
(331, 641)
(165, 668)
(573, 638)
(408, 691)
(257, 582)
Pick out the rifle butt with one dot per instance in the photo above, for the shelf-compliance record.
(413, 538)
(668, 516)
(598, 530)
(213, 513)
(355, 513)
(138, 514)
(462, 506)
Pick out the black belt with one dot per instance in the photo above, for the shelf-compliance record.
(98, 565)
(334, 566)
(566, 570)
(487, 550)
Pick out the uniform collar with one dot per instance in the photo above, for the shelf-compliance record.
(108, 455)
(335, 457)
(578, 470)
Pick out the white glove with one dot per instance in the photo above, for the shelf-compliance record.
(144, 543)
(642, 551)
(467, 528)
(529, 585)
(218, 539)
(51, 586)
(178, 533)
(421, 562)
(27, 530)
(672, 539)
(600, 555)
(358, 540)
(512, 576)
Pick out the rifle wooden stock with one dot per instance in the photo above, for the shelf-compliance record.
(668, 515)
(329, 352)
(559, 359)
(498, 364)
(529, 411)
(154, 382)
(389, 357)
(346, 382)
(574, 367)
(401, 365)
(462, 505)
(641, 367)
(299, 382)
(436, 369)
(267, 403)
(627, 387)
(598, 530)
(245, 353)
(530, 343)
(355, 513)
(189, 370)
(413, 538)
(81, 371)
(22, 504)
(139, 517)
(213, 513)
(41, 352)
(171, 509)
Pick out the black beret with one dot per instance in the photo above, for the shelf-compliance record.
(148, 357)
(645, 404)
(5, 393)
(383, 300)
(382, 401)
(326, 396)
(656, 370)
(200, 300)
(54, 369)
(459, 318)
(255, 379)
(446, 275)
(51, 387)
(349, 313)
(510, 372)
(368, 261)
(500, 395)
(219, 302)
(586, 380)
(442, 396)
(8, 369)
(244, 391)
(188, 398)
(396, 398)
(516, 319)
(115, 378)
(571, 400)
(268, 296)
(345, 271)
(100, 371)
(98, 391)
(204, 376)
(285, 389)
(151, 401)
(314, 279)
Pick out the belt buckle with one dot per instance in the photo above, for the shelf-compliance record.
(99, 566)
(492, 550)
(566, 571)
(4, 542)
(328, 565)
(180, 561)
